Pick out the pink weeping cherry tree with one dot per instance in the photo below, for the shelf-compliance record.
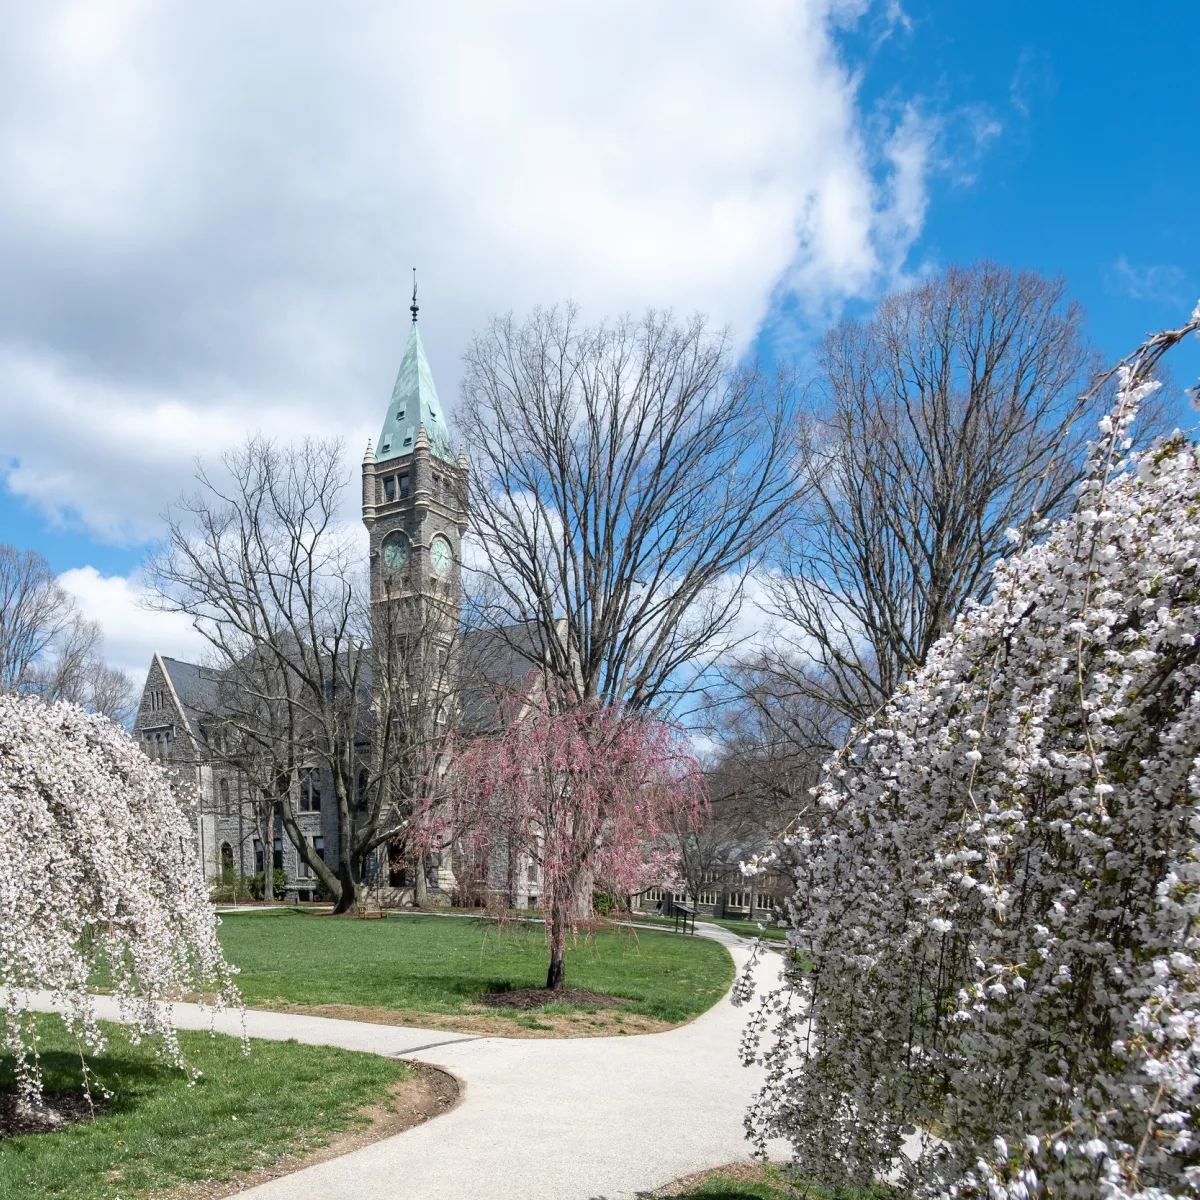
(589, 796)
(98, 871)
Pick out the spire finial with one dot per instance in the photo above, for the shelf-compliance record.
(412, 308)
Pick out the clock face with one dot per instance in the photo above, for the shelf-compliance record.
(395, 550)
(441, 555)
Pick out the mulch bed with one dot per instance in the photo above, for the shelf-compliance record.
(54, 1112)
(526, 999)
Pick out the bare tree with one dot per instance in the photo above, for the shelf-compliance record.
(949, 416)
(709, 849)
(310, 676)
(47, 647)
(93, 684)
(35, 613)
(624, 476)
(774, 731)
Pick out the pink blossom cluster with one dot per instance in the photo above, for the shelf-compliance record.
(99, 883)
(590, 795)
(997, 922)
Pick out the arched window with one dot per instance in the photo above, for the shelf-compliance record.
(223, 790)
(226, 857)
(310, 790)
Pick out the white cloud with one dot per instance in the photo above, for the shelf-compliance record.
(131, 633)
(1163, 283)
(210, 210)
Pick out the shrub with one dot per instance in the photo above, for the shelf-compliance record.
(257, 884)
(230, 888)
(1000, 905)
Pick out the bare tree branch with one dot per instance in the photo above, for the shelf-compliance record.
(46, 645)
(305, 679)
(952, 414)
(623, 478)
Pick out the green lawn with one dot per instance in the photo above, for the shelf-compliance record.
(439, 964)
(765, 1182)
(743, 1183)
(158, 1133)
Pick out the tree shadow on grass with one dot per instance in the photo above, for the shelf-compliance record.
(129, 1074)
(61, 1071)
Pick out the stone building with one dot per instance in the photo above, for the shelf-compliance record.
(725, 893)
(170, 728)
(415, 511)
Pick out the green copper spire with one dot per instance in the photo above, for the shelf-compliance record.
(414, 403)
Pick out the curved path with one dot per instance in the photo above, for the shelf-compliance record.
(553, 1119)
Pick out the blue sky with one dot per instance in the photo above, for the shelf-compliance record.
(210, 216)
(1091, 166)
(1061, 131)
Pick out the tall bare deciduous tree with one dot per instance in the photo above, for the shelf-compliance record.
(624, 476)
(261, 566)
(47, 647)
(946, 418)
(773, 735)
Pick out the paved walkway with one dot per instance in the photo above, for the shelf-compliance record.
(554, 1119)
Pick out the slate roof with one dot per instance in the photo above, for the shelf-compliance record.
(196, 687)
(495, 663)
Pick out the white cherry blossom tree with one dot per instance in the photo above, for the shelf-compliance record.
(98, 873)
(997, 918)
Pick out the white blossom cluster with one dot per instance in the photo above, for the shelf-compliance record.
(998, 915)
(98, 872)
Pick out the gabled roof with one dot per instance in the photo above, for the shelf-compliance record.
(414, 404)
(194, 686)
(496, 664)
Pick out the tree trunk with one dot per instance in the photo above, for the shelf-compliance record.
(420, 883)
(512, 877)
(269, 856)
(241, 894)
(350, 901)
(305, 852)
(556, 976)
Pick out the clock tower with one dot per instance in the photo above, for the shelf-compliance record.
(414, 505)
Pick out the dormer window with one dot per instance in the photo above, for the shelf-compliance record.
(400, 415)
(408, 440)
